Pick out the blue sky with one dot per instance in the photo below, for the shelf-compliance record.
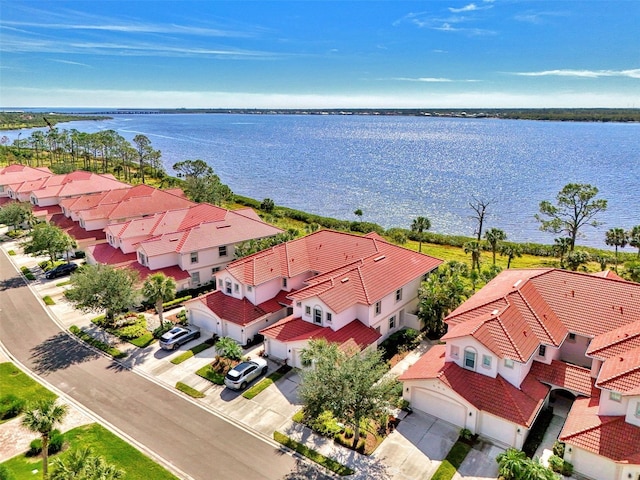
(320, 54)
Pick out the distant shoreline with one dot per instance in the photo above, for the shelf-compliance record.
(619, 115)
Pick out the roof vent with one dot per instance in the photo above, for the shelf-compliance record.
(377, 259)
(345, 280)
(495, 312)
(515, 285)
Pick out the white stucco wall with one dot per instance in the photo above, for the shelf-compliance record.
(612, 407)
(97, 224)
(573, 351)
(469, 342)
(161, 261)
(267, 290)
(591, 465)
(633, 410)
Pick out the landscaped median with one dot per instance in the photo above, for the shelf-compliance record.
(184, 356)
(192, 392)
(311, 454)
(265, 382)
(105, 347)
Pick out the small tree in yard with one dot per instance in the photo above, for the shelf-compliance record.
(15, 213)
(350, 385)
(97, 288)
(158, 288)
(43, 419)
(229, 349)
(267, 205)
(48, 239)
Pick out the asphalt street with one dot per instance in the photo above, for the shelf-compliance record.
(195, 442)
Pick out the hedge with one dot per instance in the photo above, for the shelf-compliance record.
(114, 352)
(192, 392)
(320, 459)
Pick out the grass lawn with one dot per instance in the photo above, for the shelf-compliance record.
(326, 462)
(263, 384)
(143, 340)
(13, 380)
(191, 352)
(210, 374)
(105, 444)
(450, 465)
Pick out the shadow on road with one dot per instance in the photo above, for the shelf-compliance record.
(60, 352)
(13, 282)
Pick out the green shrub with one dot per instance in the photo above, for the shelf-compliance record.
(27, 273)
(11, 252)
(558, 448)
(325, 424)
(48, 300)
(56, 442)
(85, 337)
(465, 434)
(135, 330)
(402, 340)
(177, 301)
(559, 465)
(162, 329)
(10, 406)
(192, 392)
(5, 473)
(326, 462)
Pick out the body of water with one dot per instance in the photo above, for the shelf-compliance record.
(397, 168)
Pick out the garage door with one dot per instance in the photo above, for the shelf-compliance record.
(203, 321)
(438, 406)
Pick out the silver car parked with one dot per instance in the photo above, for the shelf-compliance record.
(178, 336)
(239, 376)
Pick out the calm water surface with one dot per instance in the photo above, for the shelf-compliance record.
(397, 168)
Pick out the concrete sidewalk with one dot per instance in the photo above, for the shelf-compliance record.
(413, 450)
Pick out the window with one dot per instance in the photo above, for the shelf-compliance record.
(398, 295)
(317, 315)
(392, 323)
(215, 270)
(194, 257)
(249, 288)
(470, 359)
(307, 310)
(222, 251)
(455, 351)
(572, 337)
(542, 350)
(214, 281)
(195, 278)
(486, 361)
(227, 287)
(220, 284)
(508, 363)
(284, 282)
(638, 409)
(298, 304)
(378, 308)
(615, 396)
(142, 258)
(329, 317)
(236, 288)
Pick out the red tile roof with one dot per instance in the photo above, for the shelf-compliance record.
(354, 335)
(616, 341)
(16, 174)
(565, 375)
(608, 436)
(520, 406)
(352, 269)
(621, 373)
(75, 183)
(73, 228)
(241, 312)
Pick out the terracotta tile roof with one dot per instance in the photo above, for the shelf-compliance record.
(106, 254)
(349, 267)
(16, 174)
(76, 183)
(560, 374)
(277, 302)
(615, 342)
(241, 312)
(608, 436)
(516, 405)
(72, 228)
(621, 373)
(353, 335)
(608, 274)
(584, 304)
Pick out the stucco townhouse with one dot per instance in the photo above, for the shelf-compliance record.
(16, 174)
(521, 339)
(349, 289)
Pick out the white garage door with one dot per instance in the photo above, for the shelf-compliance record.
(205, 322)
(438, 406)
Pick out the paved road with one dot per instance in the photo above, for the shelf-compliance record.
(197, 443)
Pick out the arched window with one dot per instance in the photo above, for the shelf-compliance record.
(469, 358)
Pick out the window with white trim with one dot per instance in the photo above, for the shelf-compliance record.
(392, 322)
(249, 288)
(542, 350)
(307, 310)
(455, 351)
(227, 287)
(220, 284)
(195, 278)
(398, 295)
(637, 409)
(486, 361)
(222, 251)
(508, 363)
(329, 317)
(194, 257)
(469, 359)
(378, 308)
(317, 315)
(615, 396)
(236, 287)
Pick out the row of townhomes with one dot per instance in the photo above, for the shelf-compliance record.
(525, 337)
(349, 289)
(138, 227)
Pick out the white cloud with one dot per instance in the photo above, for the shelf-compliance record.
(68, 62)
(467, 8)
(632, 73)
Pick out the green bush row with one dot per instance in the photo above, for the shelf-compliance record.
(85, 337)
(27, 273)
(48, 300)
(176, 301)
(320, 459)
(192, 392)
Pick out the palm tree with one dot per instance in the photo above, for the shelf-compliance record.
(634, 238)
(616, 237)
(43, 419)
(473, 247)
(158, 288)
(494, 236)
(511, 251)
(229, 349)
(420, 224)
(82, 464)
